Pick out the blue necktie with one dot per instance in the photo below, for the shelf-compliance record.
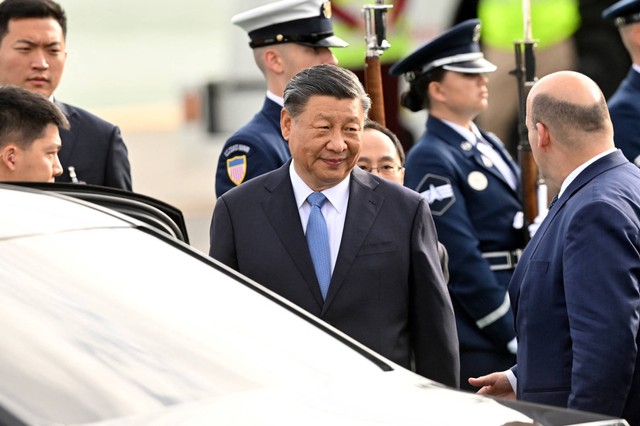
(553, 201)
(318, 241)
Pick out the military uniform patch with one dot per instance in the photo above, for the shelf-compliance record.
(438, 192)
(237, 168)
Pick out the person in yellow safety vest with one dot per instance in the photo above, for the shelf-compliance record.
(348, 24)
(553, 24)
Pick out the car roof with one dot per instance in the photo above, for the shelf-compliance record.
(30, 212)
(155, 213)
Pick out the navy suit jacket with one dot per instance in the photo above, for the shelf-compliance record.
(474, 209)
(256, 148)
(387, 289)
(94, 147)
(576, 296)
(624, 107)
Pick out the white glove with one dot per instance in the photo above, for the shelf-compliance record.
(532, 228)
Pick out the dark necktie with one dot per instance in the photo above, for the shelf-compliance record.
(318, 242)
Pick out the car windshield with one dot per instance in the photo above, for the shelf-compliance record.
(102, 323)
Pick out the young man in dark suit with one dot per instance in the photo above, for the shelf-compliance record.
(575, 294)
(376, 276)
(32, 56)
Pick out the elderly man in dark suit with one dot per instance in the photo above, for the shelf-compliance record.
(576, 292)
(32, 56)
(624, 105)
(369, 263)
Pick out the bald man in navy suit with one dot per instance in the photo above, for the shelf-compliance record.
(386, 286)
(576, 291)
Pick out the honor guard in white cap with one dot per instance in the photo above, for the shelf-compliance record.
(472, 186)
(286, 37)
(624, 104)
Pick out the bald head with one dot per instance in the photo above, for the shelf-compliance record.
(572, 107)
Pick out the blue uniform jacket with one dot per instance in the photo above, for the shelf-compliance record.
(576, 296)
(624, 107)
(473, 208)
(256, 148)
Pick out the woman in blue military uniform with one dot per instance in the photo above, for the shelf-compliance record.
(473, 189)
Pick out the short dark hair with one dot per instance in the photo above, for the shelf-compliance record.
(24, 116)
(23, 9)
(370, 124)
(323, 80)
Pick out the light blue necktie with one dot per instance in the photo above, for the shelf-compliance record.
(318, 241)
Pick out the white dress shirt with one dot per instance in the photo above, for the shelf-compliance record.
(334, 210)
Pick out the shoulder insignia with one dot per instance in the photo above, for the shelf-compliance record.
(237, 168)
(438, 192)
(238, 147)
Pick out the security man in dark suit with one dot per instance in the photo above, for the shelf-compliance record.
(32, 55)
(472, 186)
(286, 37)
(350, 247)
(624, 105)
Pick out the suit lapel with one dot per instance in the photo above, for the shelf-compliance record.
(281, 210)
(364, 206)
(603, 164)
(68, 137)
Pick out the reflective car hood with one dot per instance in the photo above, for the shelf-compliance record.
(393, 398)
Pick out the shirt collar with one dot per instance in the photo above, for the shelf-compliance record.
(574, 174)
(337, 195)
(275, 98)
(636, 67)
(470, 135)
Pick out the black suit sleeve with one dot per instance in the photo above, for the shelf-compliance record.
(433, 327)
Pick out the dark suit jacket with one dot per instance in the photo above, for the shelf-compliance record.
(259, 145)
(576, 296)
(387, 289)
(624, 107)
(473, 208)
(95, 148)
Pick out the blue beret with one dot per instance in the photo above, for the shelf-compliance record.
(623, 12)
(306, 22)
(455, 50)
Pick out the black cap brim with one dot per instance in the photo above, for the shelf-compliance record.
(477, 66)
(331, 41)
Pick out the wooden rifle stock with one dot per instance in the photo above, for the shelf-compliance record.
(525, 74)
(373, 86)
(375, 37)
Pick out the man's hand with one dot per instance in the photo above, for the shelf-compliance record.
(494, 384)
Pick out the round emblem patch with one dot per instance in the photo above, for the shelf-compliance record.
(477, 181)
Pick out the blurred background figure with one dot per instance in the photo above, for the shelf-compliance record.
(472, 186)
(29, 136)
(32, 55)
(286, 37)
(624, 105)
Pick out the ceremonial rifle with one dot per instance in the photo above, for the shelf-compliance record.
(375, 25)
(525, 74)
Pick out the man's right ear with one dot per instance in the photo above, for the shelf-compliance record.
(273, 60)
(8, 156)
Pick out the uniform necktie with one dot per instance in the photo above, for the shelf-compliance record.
(553, 201)
(318, 241)
(490, 152)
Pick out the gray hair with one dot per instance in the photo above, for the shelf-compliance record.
(323, 80)
(24, 116)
